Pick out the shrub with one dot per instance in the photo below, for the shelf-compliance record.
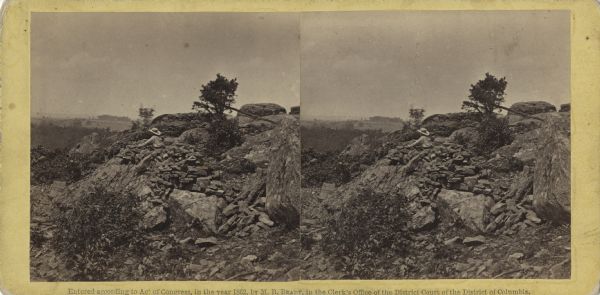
(93, 229)
(493, 133)
(369, 228)
(223, 135)
(416, 116)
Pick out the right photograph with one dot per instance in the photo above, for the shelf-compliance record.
(435, 144)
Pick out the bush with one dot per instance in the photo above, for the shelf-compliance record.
(493, 133)
(369, 228)
(223, 135)
(93, 229)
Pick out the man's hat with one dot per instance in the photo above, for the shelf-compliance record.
(155, 131)
(423, 131)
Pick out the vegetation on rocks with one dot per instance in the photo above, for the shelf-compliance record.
(472, 202)
(145, 118)
(217, 97)
(223, 135)
(214, 201)
(60, 165)
(492, 133)
(369, 226)
(93, 228)
(486, 95)
(416, 116)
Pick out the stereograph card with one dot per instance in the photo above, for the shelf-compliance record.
(300, 148)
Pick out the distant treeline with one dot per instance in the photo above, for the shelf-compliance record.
(53, 136)
(324, 139)
(385, 119)
(113, 118)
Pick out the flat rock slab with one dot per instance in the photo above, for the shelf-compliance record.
(206, 242)
(473, 210)
(473, 241)
(200, 207)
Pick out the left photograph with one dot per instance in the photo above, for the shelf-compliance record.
(165, 146)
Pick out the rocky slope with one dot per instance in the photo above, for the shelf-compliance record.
(502, 215)
(242, 215)
(201, 217)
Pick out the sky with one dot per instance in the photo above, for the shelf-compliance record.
(360, 64)
(111, 63)
(338, 64)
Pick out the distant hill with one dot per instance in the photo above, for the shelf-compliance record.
(114, 123)
(385, 124)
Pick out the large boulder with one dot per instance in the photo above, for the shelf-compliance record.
(551, 178)
(527, 143)
(255, 148)
(283, 174)
(445, 124)
(112, 176)
(154, 218)
(473, 210)
(380, 178)
(529, 108)
(262, 109)
(198, 206)
(175, 124)
(533, 107)
(194, 136)
(465, 136)
(252, 126)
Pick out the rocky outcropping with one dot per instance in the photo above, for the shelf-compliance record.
(194, 136)
(177, 183)
(450, 178)
(262, 109)
(445, 124)
(529, 108)
(551, 181)
(473, 210)
(283, 175)
(533, 107)
(466, 136)
(175, 124)
(200, 207)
